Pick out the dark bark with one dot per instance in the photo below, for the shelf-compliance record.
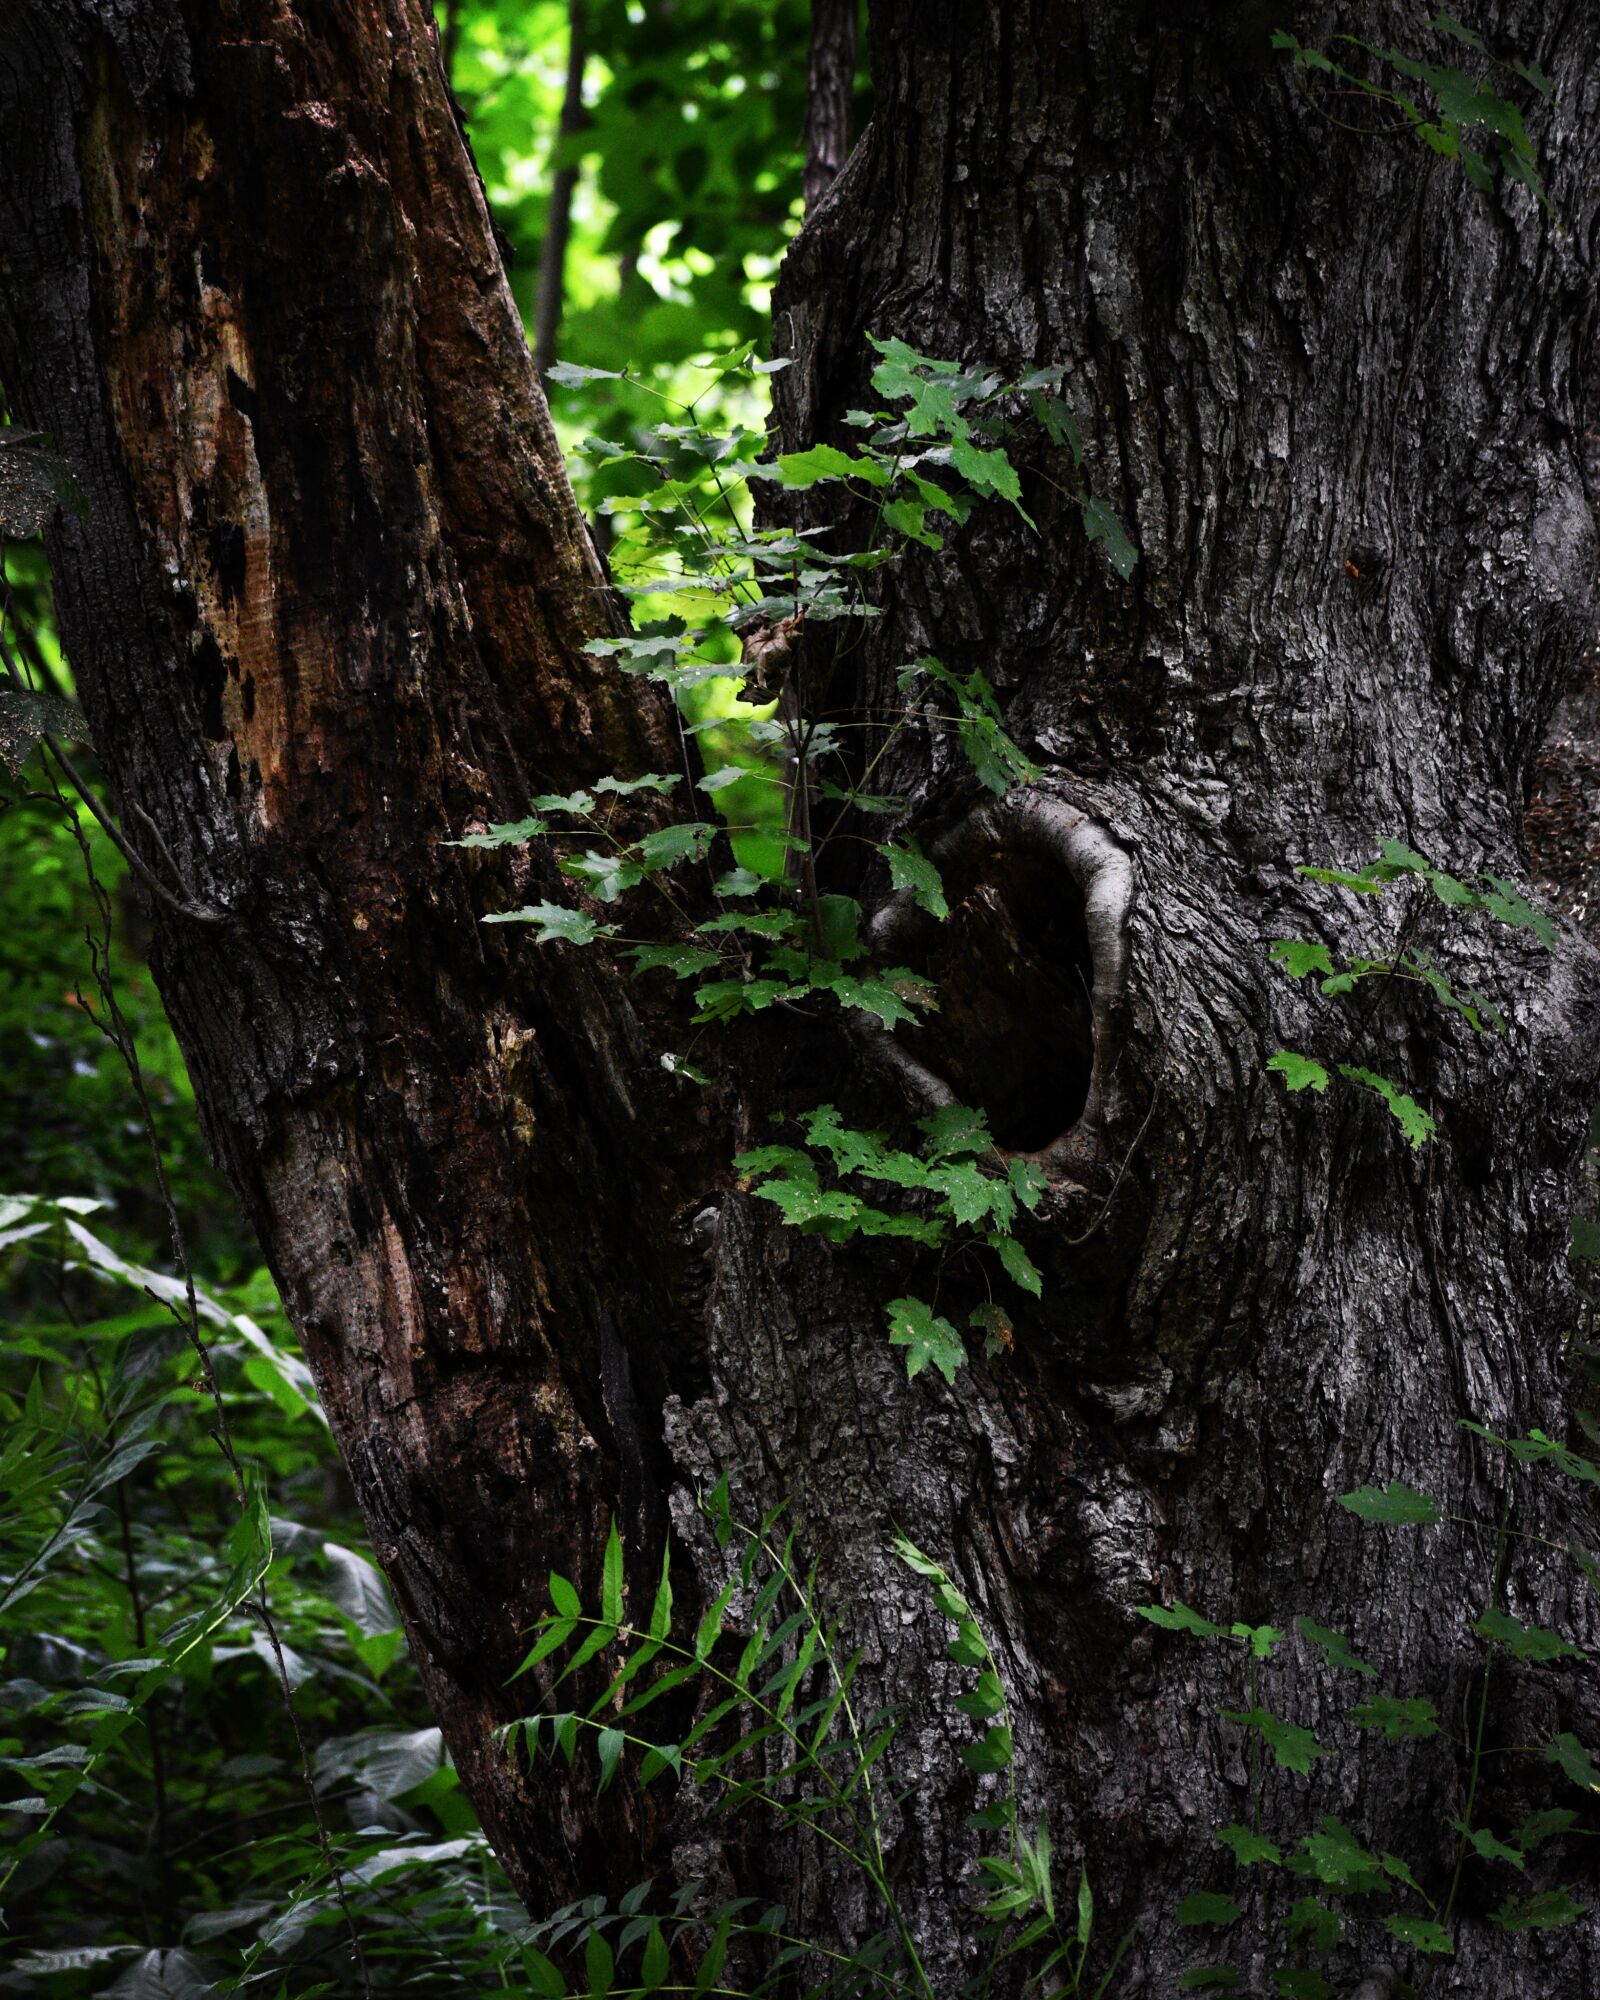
(329, 608)
(1563, 820)
(1292, 349)
(830, 84)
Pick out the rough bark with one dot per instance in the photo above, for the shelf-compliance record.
(327, 612)
(1346, 405)
(329, 608)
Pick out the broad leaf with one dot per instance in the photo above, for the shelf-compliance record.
(910, 868)
(1524, 1642)
(1298, 1072)
(1101, 525)
(1201, 1906)
(555, 924)
(1249, 1849)
(926, 1337)
(1395, 1504)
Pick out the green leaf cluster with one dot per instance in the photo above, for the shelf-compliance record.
(963, 1195)
(1463, 109)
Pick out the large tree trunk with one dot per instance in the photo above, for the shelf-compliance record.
(329, 608)
(1298, 355)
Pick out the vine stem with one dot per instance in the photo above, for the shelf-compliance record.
(1476, 1765)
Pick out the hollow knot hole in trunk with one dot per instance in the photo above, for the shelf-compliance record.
(1014, 1034)
(1028, 965)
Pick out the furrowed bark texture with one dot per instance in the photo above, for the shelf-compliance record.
(327, 613)
(329, 610)
(1346, 406)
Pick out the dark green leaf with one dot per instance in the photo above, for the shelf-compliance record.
(1524, 1642)
(926, 1337)
(1334, 1647)
(1396, 1504)
(1201, 1906)
(1101, 525)
(1421, 1932)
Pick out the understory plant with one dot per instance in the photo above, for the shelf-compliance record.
(1313, 1889)
(218, 1772)
(1400, 965)
(772, 1722)
(770, 611)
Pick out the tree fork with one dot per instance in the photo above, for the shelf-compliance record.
(329, 610)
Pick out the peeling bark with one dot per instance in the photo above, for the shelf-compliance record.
(329, 610)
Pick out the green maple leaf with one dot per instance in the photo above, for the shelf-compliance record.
(1298, 1072)
(1395, 1503)
(926, 1337)
(1524, 1642)
(1413, 1121)
(1101, 525)
(1203, 1906)
(1248, 1848)
(910, 868)
(1397, 1716)
(1298, 956)
(1178, 1617)
(555, 924)
(1419, 1931)
(1335, 1648)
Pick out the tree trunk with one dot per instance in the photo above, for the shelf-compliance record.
(329, 609)
(1345, 403)
(327, 612)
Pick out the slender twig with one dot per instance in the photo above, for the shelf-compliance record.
(181, 901)
(1464, 1844)
(185, 905)
(1077, 1242)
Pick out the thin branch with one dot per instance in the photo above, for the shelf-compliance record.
(185, 905)
(551, 285)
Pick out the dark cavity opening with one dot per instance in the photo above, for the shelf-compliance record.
(1014, 1032)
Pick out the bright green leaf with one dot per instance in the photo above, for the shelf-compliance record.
(926, 1337)
(1298, 1072)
